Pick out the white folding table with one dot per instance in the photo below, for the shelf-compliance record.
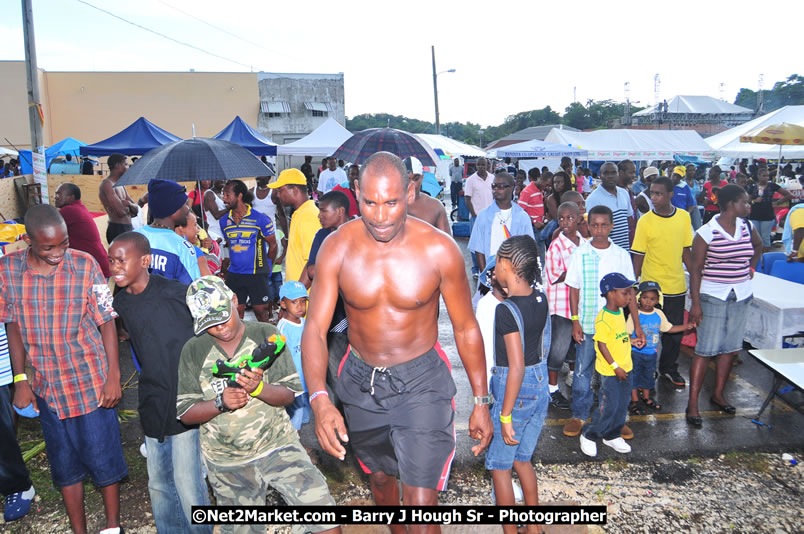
(787, 365)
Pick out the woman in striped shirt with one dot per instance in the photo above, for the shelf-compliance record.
(725, 252)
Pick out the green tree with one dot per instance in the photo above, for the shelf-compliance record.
(789, 92)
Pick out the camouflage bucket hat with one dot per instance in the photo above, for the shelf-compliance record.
(210, 302)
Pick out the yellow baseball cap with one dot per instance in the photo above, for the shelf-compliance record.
(289, 177)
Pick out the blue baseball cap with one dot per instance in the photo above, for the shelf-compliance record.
(292, 290)
(485, 276)
(614, 281)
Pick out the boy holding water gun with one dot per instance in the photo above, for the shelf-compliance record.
(247, 441)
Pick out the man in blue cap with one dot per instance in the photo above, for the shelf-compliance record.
(171, 256)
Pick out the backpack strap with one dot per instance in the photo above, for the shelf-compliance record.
(544, 340)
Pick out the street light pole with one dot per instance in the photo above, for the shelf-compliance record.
(37, 139)
(435, 93)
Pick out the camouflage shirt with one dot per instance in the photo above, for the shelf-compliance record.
(256, 429)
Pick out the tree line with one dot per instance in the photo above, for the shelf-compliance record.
(593, 115)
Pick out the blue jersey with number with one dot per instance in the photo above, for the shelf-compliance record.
(248, 249)
(171, 255)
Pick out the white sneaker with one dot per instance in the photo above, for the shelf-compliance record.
(588, 447)
(568, 379)
(618, 444)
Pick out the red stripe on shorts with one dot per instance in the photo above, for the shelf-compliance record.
(442, 481)
(363, 466)
(343, 360)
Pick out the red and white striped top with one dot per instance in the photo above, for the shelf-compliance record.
(728, 259)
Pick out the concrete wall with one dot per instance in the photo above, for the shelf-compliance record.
(296, 89)
(92, 106)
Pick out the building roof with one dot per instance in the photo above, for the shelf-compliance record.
(697, 105)
(299, 76)
(527, 134)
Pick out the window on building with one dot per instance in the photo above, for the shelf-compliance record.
(274, 109)
(318, 109)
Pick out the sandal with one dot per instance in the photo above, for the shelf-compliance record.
(652, 404)
(635, 409)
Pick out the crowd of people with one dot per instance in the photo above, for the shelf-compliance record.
(567, 274)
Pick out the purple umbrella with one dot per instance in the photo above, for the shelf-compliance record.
(363, 144)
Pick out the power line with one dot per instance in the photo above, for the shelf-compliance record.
(202, 21)
(163, 35)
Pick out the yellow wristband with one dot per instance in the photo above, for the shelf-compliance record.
(257, 390)
(505, 418)
(574, 318)
(20, 377)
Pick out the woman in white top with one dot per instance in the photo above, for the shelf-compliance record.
(725, 253)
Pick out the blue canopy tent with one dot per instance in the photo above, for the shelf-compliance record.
(69, 145)
(137, 139)
(240, 133)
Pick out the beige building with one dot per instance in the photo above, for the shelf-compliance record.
(92, 106)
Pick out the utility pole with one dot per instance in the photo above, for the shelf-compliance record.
(435, 93)
(37, 140)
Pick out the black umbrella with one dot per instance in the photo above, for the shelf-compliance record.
(192, 160)
(361, 145)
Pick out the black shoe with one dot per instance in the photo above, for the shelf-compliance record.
(558, 400)
(725, 408)
(675, 378)
(694, 420)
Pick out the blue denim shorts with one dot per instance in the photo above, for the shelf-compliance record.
(642, 375)
(530, 410)
(299, 410)
(85, 445)
(722, 325)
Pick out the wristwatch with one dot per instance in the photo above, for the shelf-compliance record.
(219, 403)
(484, 400)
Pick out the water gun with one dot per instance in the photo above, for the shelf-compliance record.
(263, 357)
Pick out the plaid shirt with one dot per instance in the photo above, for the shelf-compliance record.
(59, 315)
(556, 263)
(587, 266)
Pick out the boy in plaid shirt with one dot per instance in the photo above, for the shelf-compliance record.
(555, 271)
(590, 262)
(59, 309)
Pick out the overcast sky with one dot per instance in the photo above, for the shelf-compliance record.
(509, 56)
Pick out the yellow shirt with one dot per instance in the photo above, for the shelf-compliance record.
(661, 240)
(303, 225)
(796, 222)
(610, 329)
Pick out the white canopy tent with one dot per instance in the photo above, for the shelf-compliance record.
(623, 144)
(322, 141)
(451, 149)
(8, 152)
(728, 143)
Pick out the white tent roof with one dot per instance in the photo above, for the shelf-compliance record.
(451, 147)
(696, 105)
(728, 143)
(634, 144)
(322, 141)
(7, 152)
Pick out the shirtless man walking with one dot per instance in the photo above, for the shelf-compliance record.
(116, 200)
(424, 206)
(395, 381)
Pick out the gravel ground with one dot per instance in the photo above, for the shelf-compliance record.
(735, 493)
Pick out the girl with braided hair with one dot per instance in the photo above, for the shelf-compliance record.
(519, 376)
